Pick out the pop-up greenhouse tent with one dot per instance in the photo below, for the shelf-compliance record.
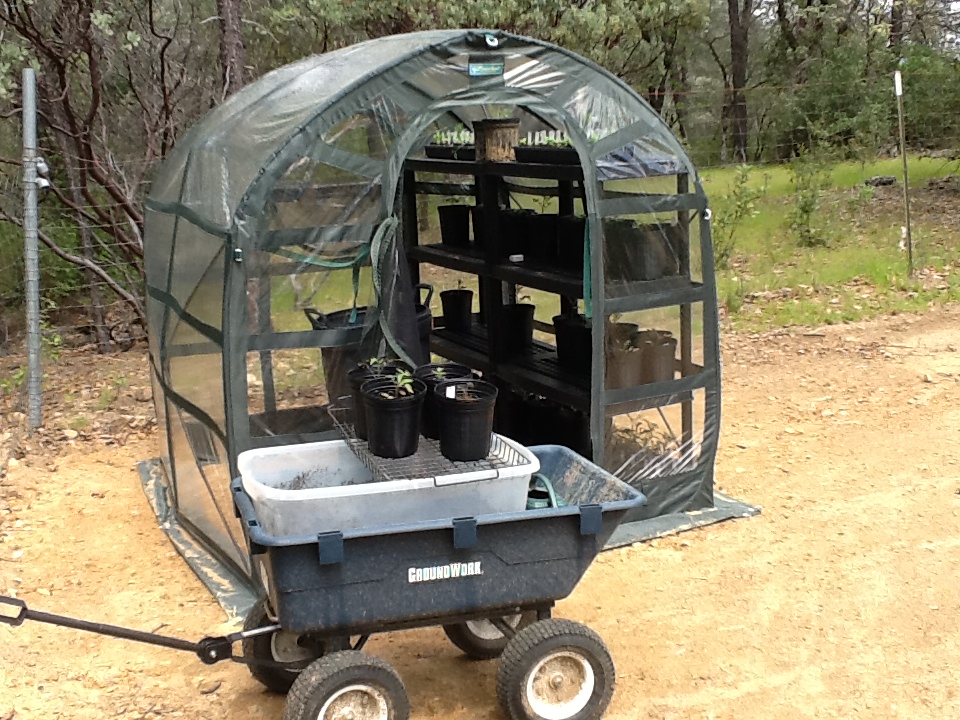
(286, 231)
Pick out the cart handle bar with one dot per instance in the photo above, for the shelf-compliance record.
(210, 650)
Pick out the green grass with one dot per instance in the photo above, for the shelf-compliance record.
(718, 181)
(863, 233)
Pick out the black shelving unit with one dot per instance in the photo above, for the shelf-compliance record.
(538, 370)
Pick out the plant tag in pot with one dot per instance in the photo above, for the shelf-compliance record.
(451, 392)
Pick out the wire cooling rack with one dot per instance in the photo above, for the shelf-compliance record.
(428, 461)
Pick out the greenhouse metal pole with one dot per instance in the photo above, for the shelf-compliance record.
(31, 251)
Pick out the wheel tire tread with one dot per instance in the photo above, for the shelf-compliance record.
(327, 667)
(514, 665)
(275, 679)
(477, 649)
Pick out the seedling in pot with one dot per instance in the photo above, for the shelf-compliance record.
(464, 391)
(459, 136)
(402, 386)
(376, 365)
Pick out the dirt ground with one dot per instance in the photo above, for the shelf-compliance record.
(841, 600)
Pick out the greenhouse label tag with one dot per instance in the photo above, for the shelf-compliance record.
(485, 69)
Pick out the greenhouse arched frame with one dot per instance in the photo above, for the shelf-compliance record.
(292, 222)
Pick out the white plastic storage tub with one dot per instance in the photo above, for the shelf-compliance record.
(321, 487)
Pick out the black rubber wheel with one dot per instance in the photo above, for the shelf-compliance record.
(348, 684)
(556, 670)
(274, 647)
(480, 639)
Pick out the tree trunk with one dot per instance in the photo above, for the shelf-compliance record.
(680, 94)
(97, 315)
(739, 54)
(232, 54)
(896, 24)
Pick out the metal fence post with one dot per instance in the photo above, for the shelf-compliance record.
(898, 91)
(31, 251)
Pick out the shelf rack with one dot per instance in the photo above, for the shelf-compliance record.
(538, 370)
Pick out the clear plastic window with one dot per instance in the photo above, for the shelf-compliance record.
(646, 445)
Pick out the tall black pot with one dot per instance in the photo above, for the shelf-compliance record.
(571, 232)
(455, 225)
(513, 232)
(466, 418)
(516, 327)
(356, 378)
(428, 373)
(541, 238)
(574, 343)
(457, 309)
(393, 423)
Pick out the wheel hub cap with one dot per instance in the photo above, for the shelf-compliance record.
(356, 702)
(559, 686)
(486, 630)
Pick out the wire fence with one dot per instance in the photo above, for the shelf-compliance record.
(81, 307)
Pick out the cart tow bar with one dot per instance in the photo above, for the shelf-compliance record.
(210, 650)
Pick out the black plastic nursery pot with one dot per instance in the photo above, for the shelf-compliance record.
(455, 225)
(479, 227)
(638, 252)
(509, 417)
(424, 321)
(545, 155)
(337, 360)
(540, 421)
(457, 309)
(516, 327)
(514, 232)
(659, 356)
(356, 378)
(432, 375)
(451, 152)
(571, 232)
(465, 415)
(623, 255)
(571, 429)
(541, 239)
(393, 423)
(574, 346)
(623, 356)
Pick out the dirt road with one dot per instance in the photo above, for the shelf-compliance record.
(841, 600)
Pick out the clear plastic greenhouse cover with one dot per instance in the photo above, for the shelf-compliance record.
(273, 241)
